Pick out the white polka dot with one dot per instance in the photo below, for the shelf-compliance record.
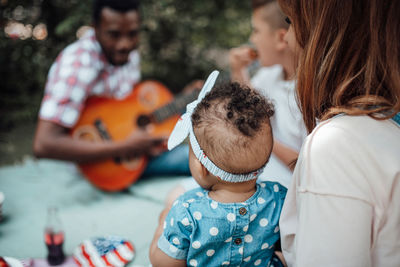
(165, 224)
(85, 59)
(112, 82)
(200, 194)
(77, 94)
(175, 202)
(210, 252)
(197, 215)
(276, 229)
(86, 44)
(48, 109)
(248, 238)
(173, 249)
(87, 75)
(176, 241)
(228, 240)
(193, 262)
(246, 228)
(276, 188)
(264, 246)
(172, 222)
(247, 259)
(257, 262)
(226, 263)
(263, 222)
(66, 71)
(191, 200)
(67, 60)
(274, 205)
(214, 204)
(185, 221)
(252, 217)
(186, 205)
(262, 184)
(69, 116)
(125, 87)
(260, 200)
(196, 244)
(59, 90)
(98, 89)
(231, 217)
(241, 250)
(214, 231)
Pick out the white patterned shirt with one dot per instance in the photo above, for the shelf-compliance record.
(80, 71)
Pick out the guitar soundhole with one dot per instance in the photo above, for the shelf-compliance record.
(88, 133)
(143, 121)
(148, 95)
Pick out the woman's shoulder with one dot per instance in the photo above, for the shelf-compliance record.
(346, 130)
(345, 155)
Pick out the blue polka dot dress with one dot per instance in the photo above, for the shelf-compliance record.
(209, 233)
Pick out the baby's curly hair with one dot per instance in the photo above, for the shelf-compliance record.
(232, 127)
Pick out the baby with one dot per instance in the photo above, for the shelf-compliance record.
(231, 219)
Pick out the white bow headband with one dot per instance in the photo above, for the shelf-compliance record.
(184, 127)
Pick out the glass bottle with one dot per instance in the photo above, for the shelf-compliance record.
(54, 237)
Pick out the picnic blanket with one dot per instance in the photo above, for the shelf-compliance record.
(33, 185)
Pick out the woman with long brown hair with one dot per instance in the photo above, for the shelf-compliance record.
(343, 207)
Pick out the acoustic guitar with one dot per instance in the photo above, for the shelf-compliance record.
(150, 104)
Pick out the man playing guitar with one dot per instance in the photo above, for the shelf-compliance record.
(104, 62)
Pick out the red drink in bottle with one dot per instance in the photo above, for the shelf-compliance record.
(54, 238)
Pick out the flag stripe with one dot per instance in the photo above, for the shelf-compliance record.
(87, 256)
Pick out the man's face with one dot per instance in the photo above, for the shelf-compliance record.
(118, 34)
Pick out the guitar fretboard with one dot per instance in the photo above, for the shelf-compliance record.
(175, 107)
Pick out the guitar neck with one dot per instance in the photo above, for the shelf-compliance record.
(174, 107)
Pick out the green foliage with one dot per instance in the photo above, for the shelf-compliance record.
(181, 40)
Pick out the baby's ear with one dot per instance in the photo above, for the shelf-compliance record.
(198, 169)
(204, 172)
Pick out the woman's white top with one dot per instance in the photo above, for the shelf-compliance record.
(343, 206)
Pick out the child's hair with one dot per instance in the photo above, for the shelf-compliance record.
(232, 127)
(351, 57)
(272, 13)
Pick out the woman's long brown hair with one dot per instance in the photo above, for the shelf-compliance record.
(350, 57)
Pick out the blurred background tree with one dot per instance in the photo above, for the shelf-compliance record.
(181, 40)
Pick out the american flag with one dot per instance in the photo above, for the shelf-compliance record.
(104, 252)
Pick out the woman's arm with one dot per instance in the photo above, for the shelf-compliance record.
(333, 231)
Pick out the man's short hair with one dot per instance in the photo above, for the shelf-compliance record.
(118, 5)
(272, 13)
(259, 3)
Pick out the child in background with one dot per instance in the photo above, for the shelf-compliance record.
(231, 219)
(275, 81)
